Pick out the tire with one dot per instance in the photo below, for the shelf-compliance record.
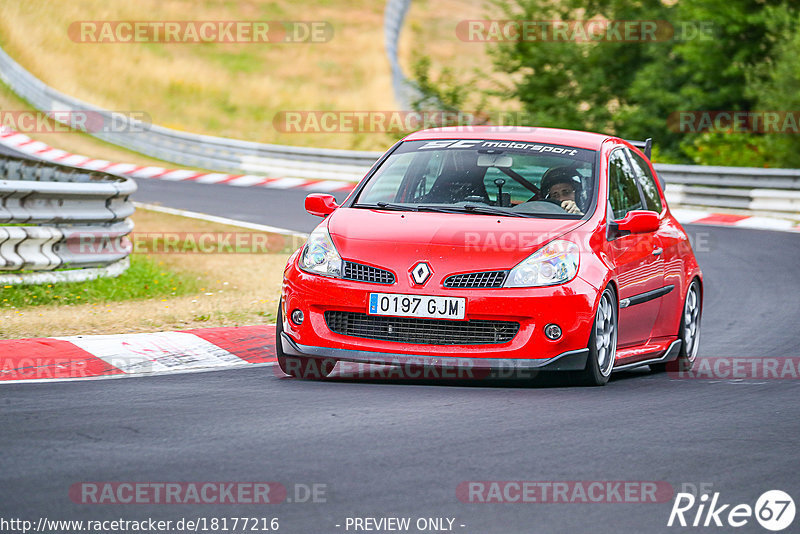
(299, 366)
(602, 343)
(688, 333)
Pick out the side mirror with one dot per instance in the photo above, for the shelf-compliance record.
(637, 222)
(320, 204)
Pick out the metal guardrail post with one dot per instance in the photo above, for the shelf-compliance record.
(59, 217)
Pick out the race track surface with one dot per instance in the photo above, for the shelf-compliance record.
(401, 448)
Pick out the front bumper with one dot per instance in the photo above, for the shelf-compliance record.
(571, 306)
(574, 360)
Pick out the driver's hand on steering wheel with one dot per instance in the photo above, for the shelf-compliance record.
(570, 207)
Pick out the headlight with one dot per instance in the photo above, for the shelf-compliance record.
(320, 256)
(555, 263)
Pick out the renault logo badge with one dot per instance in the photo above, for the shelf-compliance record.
(420, 273)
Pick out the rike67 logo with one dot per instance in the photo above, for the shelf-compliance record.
(774, 510)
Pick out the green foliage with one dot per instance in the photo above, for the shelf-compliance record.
(724, 55)
(572, 84)
(775, 84)
(446, 93)
(727, 149)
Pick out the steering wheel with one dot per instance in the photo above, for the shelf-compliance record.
(537, 197)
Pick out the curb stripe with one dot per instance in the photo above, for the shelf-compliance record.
(49, 358)
(107, 356)
(721, 218)
(43, 151)
(156, 352)
(254, 344)
(752, 222)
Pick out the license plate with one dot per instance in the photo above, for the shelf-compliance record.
(417, 306)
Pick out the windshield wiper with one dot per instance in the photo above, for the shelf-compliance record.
(403, 207)
(468, 208)
(440, 209)
(489, 210)
(387, 206)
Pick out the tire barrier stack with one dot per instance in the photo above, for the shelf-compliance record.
(60, 223)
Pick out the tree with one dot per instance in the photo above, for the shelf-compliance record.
(726, 55)
(775, 85)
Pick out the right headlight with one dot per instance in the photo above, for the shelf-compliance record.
(555, 263)
(320, 256)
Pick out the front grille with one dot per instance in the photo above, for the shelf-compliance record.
(476, 280)
(421, 331)
(367, 273)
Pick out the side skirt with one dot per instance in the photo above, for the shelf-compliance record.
(670, 354)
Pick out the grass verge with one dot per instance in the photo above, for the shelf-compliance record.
(227, 89)
(236, 89)
(144, 279)
(169, 291)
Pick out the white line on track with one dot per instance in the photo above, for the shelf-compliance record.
(220, 220)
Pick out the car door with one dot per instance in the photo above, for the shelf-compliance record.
(670, 239)
(637, 257)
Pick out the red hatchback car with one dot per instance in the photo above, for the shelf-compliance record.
(523, 248)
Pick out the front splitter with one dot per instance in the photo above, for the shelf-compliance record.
(574, 360)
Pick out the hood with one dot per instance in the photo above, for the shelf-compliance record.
(449, 242)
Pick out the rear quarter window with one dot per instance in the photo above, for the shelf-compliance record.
(647, 181)
(623, 194)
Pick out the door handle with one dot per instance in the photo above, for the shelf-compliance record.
(657, 251)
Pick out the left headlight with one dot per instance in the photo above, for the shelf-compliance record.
(555, 263)
(320, 256)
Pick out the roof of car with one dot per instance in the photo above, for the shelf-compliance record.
(578, 139)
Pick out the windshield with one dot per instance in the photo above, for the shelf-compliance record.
(484, 177)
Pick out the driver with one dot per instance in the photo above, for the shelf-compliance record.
(562, 185)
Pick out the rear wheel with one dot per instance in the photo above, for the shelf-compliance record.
(602, 343)
(688, 333)
(299, 366)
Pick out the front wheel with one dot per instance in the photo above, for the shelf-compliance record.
(299, 366)
(602, 343)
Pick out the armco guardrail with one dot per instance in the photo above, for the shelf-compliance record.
(737, 188)
(770, 190)
(58, 217)
(393, 17)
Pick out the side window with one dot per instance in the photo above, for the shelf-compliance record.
(647, 181)
(623, 193)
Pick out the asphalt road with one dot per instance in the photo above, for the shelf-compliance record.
(401, 449)
(282, 208)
